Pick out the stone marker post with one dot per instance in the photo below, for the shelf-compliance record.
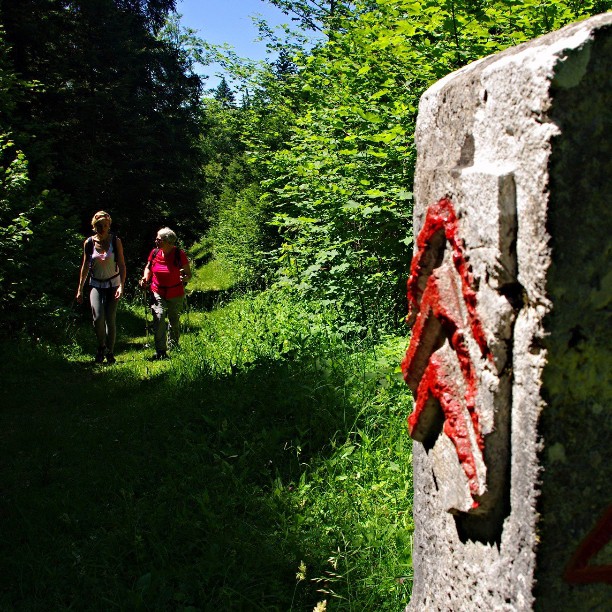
(511, 350)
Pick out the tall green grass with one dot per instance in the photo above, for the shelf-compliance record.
(212, 276)
(265, 466)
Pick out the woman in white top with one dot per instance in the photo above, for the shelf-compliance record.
(103, 261)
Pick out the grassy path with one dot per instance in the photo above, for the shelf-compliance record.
(204, 482)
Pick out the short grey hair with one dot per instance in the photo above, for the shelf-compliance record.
(167, 235)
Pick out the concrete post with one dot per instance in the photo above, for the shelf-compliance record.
(511, 349)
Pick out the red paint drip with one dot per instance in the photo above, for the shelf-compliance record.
(436, 314)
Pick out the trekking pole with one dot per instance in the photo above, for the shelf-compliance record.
(146, 310)
(187, 326)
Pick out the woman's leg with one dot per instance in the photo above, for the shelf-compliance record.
(159, 306)
(96, 299)
(175, 307)
(110, 308)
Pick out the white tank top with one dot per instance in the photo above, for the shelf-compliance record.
(104, 272)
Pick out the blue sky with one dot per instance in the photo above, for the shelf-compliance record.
(228, 21)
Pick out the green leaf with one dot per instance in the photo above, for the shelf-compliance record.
(402, 194)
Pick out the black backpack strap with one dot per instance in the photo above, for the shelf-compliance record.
(89, 248)
(115, 252)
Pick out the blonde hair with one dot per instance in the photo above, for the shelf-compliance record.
(101, 214)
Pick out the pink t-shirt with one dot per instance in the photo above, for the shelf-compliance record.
(166, 278)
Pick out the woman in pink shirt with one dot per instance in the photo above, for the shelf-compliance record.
(167, 271)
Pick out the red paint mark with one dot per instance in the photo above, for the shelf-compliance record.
(440, 385)
(578, 570)
(441, 223)
(437, 309)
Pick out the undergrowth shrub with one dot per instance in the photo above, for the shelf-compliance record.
(239, 236)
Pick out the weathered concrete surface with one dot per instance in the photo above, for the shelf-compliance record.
(576, 424)
(520, 144)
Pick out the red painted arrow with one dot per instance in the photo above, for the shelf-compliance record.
(441, 310)
(578, 570)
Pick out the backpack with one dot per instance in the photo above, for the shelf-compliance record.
(89, 249)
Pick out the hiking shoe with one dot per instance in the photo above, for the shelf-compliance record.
(99, 358)
(159, 356)
(110, 358)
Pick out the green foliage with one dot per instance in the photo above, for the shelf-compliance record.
(225, 169)
(32, 271)
(113, 121)
(9, 83)
(208, 274)
(15, 206)
(238, 236)
(14, 221)
(234, 143)
(36, 239)
(104, 114)
(224, 95)
(341, 185)
(314, 15)
(341, 188)
(205, 482)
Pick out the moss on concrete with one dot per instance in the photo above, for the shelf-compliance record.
(576, 426)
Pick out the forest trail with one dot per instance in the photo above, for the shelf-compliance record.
(213, 473)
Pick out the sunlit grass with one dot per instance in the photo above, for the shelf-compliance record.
(212, 276)
(204, 482)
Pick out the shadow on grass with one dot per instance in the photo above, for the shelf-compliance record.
(134, 326)
(120, 491)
